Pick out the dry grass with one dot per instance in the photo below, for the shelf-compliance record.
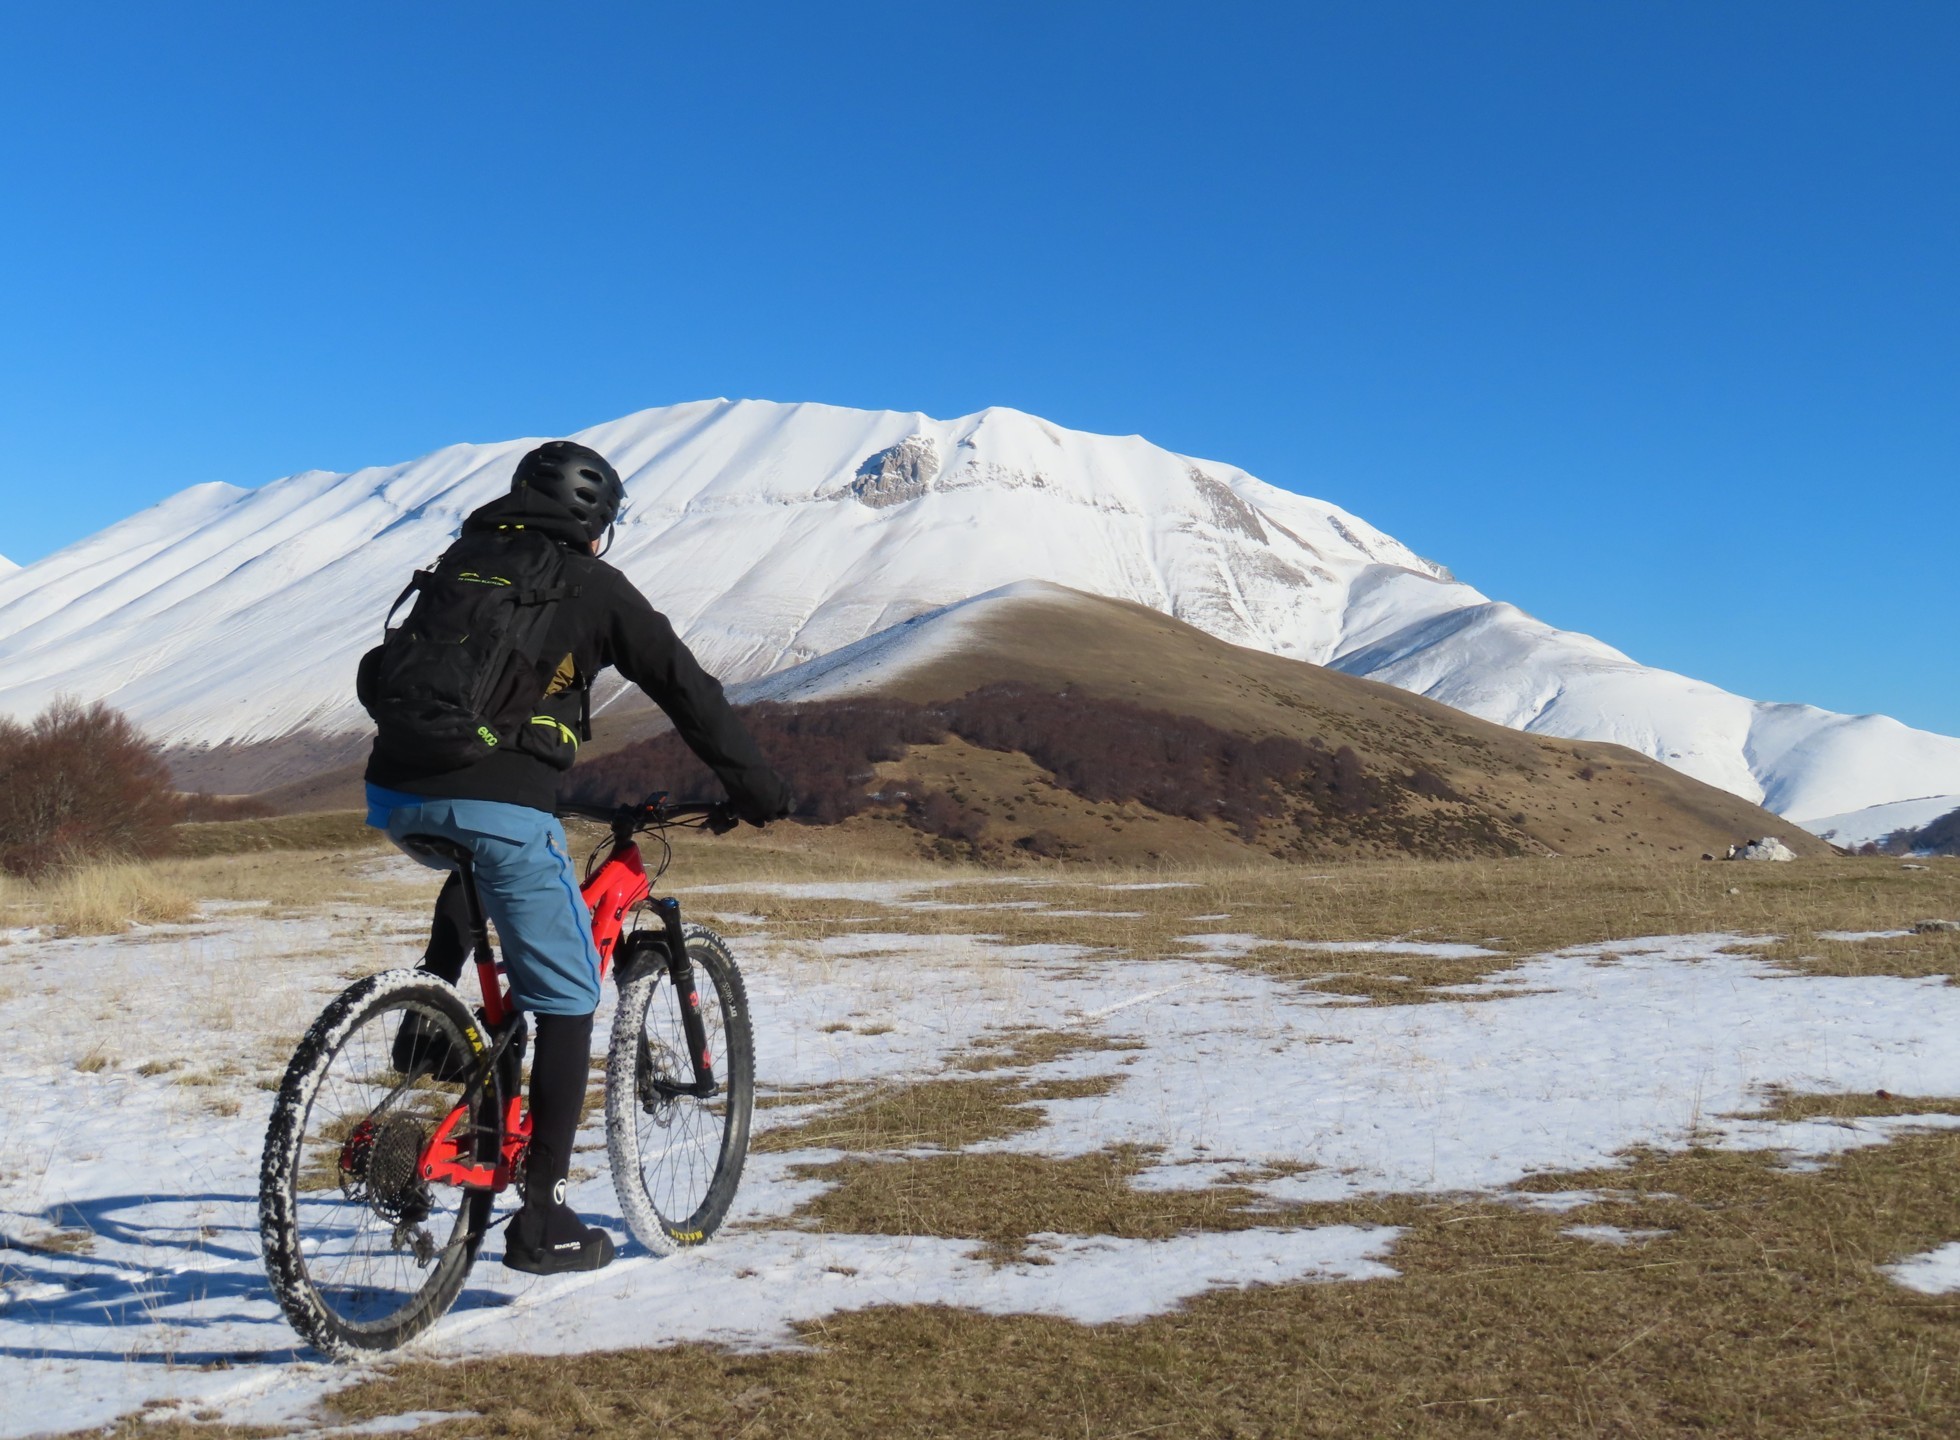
(325, 831)
(1516, 908)
(97, 899)
(75, 1241)
(1002, 1198)
(107, 899)
(1761, 1313)
(944, 1114)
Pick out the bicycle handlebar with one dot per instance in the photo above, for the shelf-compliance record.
(716, 816)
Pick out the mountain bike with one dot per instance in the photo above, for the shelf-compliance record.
(401, 1117)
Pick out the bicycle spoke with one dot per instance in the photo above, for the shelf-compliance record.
(363, 1250)
(677, 1157)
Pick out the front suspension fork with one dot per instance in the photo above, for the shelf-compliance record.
(681, 969)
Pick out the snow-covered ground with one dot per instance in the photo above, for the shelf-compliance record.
(1873, 824)
(1937, 1272)
(131, 1278)
(777, 534)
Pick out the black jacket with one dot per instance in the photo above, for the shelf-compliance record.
(608, 623)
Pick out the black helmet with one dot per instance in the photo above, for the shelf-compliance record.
(579, 479)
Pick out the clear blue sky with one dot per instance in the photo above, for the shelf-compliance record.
(1642, 315)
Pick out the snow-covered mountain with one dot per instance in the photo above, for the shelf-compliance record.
(773, 534)
(7, 567)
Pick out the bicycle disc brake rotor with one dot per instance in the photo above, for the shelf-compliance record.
(657, 1076)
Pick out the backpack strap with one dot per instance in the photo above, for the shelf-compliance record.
(407, 590)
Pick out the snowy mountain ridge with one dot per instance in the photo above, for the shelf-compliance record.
(773, 534)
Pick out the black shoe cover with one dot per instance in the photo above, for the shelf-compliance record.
(554, 1242)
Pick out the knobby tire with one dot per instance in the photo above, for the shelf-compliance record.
(285, 1186)
(676, 1160)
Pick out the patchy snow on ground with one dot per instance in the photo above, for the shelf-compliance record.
(1937, 1272)
(1429, 949)
(134, 1090)
(1234, 946)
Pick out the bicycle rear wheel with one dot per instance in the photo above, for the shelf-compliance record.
(677, 1159)
(363, 1253)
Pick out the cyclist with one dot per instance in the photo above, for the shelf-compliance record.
(501, 808)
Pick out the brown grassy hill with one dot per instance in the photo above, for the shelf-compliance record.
(1503, 791)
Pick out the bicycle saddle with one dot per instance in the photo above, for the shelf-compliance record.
(437, 847)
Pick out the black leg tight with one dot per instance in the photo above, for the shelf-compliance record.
(561, 1067)
(449, 933)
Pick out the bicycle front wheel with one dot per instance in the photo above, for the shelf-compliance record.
(362, 1251)
(677, 1158)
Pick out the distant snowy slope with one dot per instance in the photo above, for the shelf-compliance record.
(7, 567)
(774, 534)
(908, 646)
(1498, 662)
(1869, 826)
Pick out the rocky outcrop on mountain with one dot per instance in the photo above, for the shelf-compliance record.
(901, 472)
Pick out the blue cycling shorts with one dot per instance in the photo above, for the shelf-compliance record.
(530, 891)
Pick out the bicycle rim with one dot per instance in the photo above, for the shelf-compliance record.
(677, 1160)
(362, 1251)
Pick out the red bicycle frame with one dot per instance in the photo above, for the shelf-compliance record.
(612, 892)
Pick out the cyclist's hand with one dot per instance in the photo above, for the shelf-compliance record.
(722, 820)
(765, 803)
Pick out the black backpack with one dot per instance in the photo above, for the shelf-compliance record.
(461, 677)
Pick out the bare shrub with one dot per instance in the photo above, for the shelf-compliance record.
(1941, 837)
(77, 781)
(827, 750)
(1106, 751)
(937, 813)
(199, 808)
(1428, 783)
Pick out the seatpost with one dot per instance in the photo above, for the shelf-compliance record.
(682, 971)
(494, 1009)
